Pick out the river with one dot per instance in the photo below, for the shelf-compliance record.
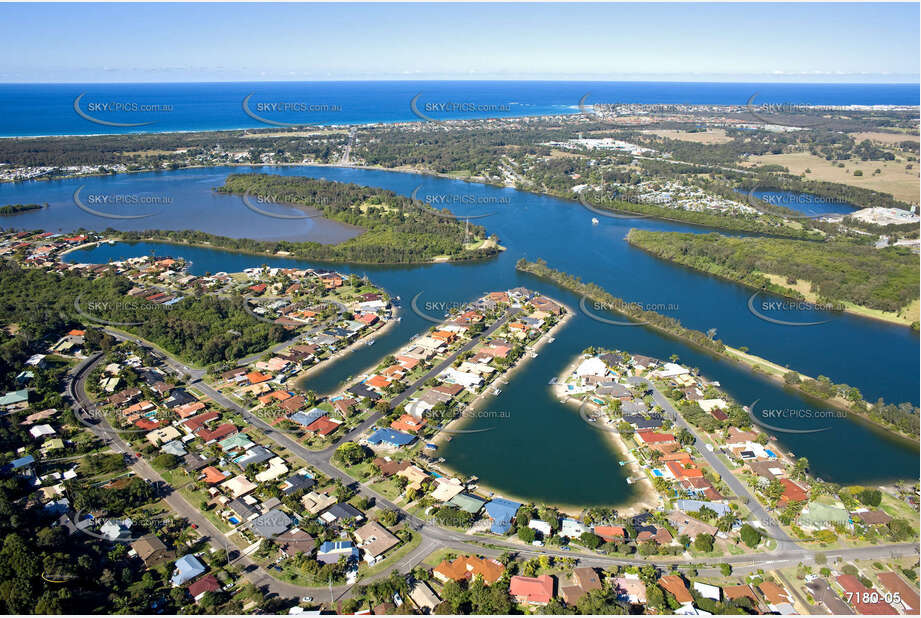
(537, 448)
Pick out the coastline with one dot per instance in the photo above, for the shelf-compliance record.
(775, 372)
(325, 363)
(206, 245)
(847, 307)
(461, 421)
(755, 364)
(646, 497)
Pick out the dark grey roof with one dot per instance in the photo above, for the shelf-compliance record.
(298, 482)
(177, 398)
(271, 524)
(360, 390)
(241, 508)
(254, 456)
(343, 510)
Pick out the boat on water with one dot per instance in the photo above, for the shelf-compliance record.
(371, 342)
(594, 221)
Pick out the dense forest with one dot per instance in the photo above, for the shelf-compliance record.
(885, 279)
(37, 304)
(398, 230)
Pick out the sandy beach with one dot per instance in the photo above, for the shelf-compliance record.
(647, 497)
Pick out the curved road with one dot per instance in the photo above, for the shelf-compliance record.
(434, 537)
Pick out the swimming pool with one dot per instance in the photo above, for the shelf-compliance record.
(657, 473)
(233, 520)
(770, 453)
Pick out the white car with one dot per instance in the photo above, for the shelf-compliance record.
(306, 599)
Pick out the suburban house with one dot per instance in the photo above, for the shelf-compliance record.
(468, 568)
(151, 550)
(187, 568)
(375, 540)
(200, 588)
(501, 512)
(678, 589)
(532, 590)
(584, 580)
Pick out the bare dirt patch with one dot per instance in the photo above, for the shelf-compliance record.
(710, 136)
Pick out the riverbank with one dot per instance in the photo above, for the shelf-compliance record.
(673, 328)
(697, 254)
(325, 363)
(647, 498)
(776, 374)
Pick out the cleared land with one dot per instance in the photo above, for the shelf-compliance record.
(894, 179)
(710, 136)
(886, 138)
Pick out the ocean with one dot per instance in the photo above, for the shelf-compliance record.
(91, 109)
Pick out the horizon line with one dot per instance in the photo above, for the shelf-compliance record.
(466, 79)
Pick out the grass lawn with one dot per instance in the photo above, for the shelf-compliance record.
(359, 472)
(436, 557)
(387, 488)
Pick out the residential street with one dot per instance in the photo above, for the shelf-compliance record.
(434, 536)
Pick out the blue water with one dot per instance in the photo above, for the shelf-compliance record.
(881, 359)
(810, 205)
(48, 109)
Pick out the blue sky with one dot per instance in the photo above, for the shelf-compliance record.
(242, 42)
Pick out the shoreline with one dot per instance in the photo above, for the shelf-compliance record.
(774, 372)
(728, 353)
(849, 308)
(646, 497)
(205, 245)
(573, 510)
(339, 354)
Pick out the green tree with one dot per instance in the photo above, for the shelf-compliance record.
(704, 542)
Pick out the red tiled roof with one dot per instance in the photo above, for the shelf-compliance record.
(466, 567)
(896, 584)
(676, 586)
(213, 475)
(197, 421)
(256, 377)
(208, 583)
(609, 533)
(407, 422)
(851, 584)
(221, 431)
(147, 424)
(532, 589)
(322, 426)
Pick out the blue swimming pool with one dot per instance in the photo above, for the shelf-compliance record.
(233, 520)
(770, 453)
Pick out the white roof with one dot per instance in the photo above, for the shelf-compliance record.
(592, 367)
(41, 430)
(706, 590)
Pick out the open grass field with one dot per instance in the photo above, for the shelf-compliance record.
(886, 138)
(902, 184)
(710, 136)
